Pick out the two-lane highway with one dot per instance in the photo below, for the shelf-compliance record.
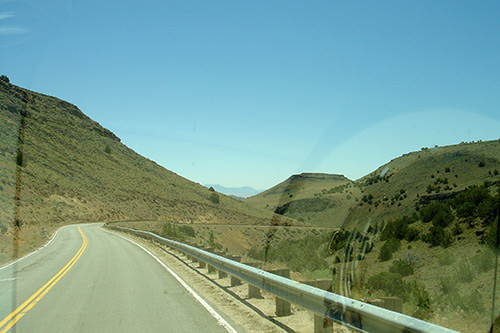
(88, 279)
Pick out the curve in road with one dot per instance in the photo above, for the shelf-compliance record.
(113, 286)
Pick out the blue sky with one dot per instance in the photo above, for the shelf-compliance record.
(249, 92)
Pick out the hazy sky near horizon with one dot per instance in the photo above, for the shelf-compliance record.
(249, 92)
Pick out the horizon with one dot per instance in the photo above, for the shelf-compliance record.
(248, 94)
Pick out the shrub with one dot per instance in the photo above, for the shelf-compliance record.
(473, 194)
(487, 209)
(447, 285)
(391, 283)
(418, 295)
(483, 261)
(466, 209)
(187, 230)
(457, 230)
(438, 236)
(214, 197)
(428, 212)
(4, 78)
(412, 234)
(443, 218)
(481, 164)
(464, 272)
(107, 149)
(402, 267)
(389, 247)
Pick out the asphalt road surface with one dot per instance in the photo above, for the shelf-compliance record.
(89, 280)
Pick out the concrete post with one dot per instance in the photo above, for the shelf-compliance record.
(253, 292)
(221, 273)
(321, 324)
(235, 281)
(282, 306)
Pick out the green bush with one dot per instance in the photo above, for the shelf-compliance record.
(412, 234)
(447, 285)
(464, 272)
(466, 209)
(473, 194)
(389, 247)
(4, 78)
(398, 228)
(214, 197)
(306, 254)
(418, 295)
(483, 261)
(187, 230)
(470, 302)
(443, 218)
(391, 283)
(394, 285)
(438, 236)
(488, 209)
(457, 230)
(428, 212)
(402, 267)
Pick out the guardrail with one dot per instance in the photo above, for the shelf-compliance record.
(350, 312)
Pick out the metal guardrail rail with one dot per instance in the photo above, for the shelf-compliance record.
(347, 311)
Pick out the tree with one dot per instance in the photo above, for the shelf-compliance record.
(4, 78)
(214, 197)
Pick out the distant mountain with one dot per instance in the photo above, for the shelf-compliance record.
(238, 192)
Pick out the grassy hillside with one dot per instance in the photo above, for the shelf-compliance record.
(396, 188)
(421, 227)
(59, 166)
(314, 198)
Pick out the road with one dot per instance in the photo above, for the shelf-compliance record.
(90, 280)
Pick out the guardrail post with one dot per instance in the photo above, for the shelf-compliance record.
(235, 281)
(210, 268)
(253, 292)
(321, 324)
(201, 263)
(221, 273)
(282, 306)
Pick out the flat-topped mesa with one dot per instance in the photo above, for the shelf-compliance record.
(317, 177)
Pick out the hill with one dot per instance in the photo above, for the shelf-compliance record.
(421, 227)
(59, 166)
(390, 192)
(314, 198)
(395, 189)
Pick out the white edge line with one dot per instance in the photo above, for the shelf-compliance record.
(217, 316)
(29, 254)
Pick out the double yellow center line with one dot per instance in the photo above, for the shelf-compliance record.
(12, 319)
